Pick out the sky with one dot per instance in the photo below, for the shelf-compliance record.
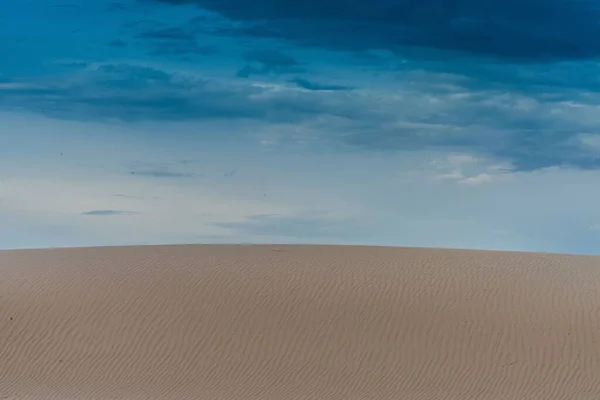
(438, 123)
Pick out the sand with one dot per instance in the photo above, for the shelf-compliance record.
(297, 322)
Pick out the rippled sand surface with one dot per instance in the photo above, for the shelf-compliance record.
(297, 322)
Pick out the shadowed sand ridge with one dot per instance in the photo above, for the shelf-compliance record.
(298, 322)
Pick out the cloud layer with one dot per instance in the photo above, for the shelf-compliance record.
(529, 30)
(419, 110)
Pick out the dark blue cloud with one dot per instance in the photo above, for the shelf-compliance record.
(528, 132)
(565, 80)
(167, 34)
(273, 58)
(117, 43)
(150, 24)
(524, 30)
(181, 49)
(174, 42)
(268, 62)
(133, 93)
(107, 212)
(65, 6)
(116, 6)
(310, 85)
(467, 104)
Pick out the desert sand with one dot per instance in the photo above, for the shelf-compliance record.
(297, 322)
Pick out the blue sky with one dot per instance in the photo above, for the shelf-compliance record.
(445, 123)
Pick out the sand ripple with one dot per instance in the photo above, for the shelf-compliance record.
(298, 322)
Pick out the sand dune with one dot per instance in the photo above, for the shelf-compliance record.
(297, 322)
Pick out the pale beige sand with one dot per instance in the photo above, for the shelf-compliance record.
(298, 322)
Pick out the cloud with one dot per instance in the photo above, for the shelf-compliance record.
(117, 43)
(114, 6)
(477, 179)
(163, 174)
(174, 42)
(471, 171)
(310, 85)
(272, 58)
(325, 197)
(167, 34)
(589, 141)
(107, 212)
(528, 116)
(527, 31)
(296, 227)
(182, 49)
(530, 132)
(65, 6)
(150, 24)
(127, 196)
(419, 111)
(269, 62)
(231, 173)
(130, 92)
(84, 202)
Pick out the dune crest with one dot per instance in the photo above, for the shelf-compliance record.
(297, 322)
